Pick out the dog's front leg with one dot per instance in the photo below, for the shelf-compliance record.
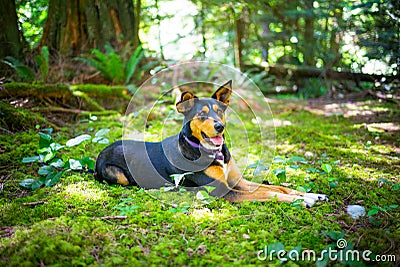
(243, 190)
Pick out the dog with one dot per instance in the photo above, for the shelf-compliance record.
(198, 151)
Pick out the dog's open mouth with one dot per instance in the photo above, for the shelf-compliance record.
(215, 141)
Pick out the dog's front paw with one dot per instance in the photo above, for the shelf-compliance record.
(311, 198)
(316, 197)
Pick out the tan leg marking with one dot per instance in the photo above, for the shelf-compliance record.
(121, 179)
(243, 189)
(217, 173)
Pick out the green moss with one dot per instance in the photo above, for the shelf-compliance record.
(37, 90)
(71, 223)
(15, 119)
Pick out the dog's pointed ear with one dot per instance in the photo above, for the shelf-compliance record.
(186, 103)
(223, 93)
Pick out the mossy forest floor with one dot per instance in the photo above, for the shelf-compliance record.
(79, 221)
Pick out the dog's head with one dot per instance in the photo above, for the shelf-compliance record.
(206, 116)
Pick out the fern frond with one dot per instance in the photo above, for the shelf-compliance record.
(134, 60)
(22, 70)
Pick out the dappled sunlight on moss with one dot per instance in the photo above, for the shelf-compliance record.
(287, 148)
(81, 192)
(203, 214)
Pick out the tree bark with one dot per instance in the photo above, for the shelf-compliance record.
(138, 11)
(240, 24)
(76, 26)
(309, 45)
(11, 39)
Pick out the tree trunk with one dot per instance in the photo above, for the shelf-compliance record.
(11, 39)
(138, 11)
(239, 35)
(203, 32)
(309, 40)
(336, 36)
(265, 36)
(73, 27)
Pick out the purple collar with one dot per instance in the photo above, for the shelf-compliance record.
(217, 152)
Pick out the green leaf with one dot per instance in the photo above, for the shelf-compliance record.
(279, 160)
(53, 178)
(77, 140)
(276, 247)
(56, 146)
(90, 163)
(27, 183)
(102, 132)
(326, 168)
(177, 178)
(260, 168)
(57, 163)
(49, 131)
(390, 207)
(372, 212)
(31, 184)
(281, 174)
(49, 156)
(43, 150)
(297, 203)
(209, 188)
(312, 170)
(384, 181)
(333, 235)
(333, 184)
(134, 60)
(202, 195)
(45, 170)
(298, 159)
(20, 68)
(101, 140)
(75, 164)
(45, 140)
(31, 159)
(304, 189)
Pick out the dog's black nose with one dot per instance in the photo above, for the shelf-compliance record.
(219, 127)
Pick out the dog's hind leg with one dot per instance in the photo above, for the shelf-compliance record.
(114, 175)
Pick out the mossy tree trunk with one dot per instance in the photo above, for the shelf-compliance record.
(73, 27)
(11, 39)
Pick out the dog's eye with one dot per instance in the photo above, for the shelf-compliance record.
(220, 113)
(202, 115)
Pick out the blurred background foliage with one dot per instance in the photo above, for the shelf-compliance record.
(352, 36)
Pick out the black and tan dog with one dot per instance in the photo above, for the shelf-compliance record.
(198, 150)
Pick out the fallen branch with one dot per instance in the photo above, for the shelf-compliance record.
(302, 72)
(35, 90)
(75, 111)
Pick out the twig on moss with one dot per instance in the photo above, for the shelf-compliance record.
(116, 217)
(33, 204)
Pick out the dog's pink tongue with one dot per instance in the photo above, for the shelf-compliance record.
(217, 140)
